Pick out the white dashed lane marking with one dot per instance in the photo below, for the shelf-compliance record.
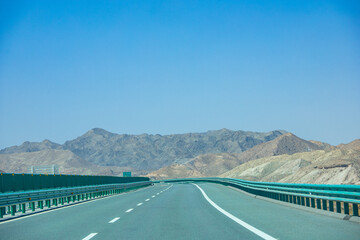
(139, 204)
(114, 220)
(129, 210)
(147, 200)
(91, 235)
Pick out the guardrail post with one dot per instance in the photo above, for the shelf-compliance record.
(312, 202)
(302, 201)
(338, 207)
(2, 212)
(331, 206)
(33, 206)
(355, 209)
(346, 207)
(23, 208)
(324, 203)
(13, 210)
(48, 203)
(41, 204)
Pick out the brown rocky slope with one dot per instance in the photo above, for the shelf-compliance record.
(338, 166)
(68, 163)
(208, 165)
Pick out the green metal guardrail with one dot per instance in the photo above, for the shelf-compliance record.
(56, 192)
(12, 182)
(12, 203)
(334, 198)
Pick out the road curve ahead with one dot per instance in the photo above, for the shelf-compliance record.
(179, 211)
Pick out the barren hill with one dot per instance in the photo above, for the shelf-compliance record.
(216, 164)
(145, 152)
(68, 163)
(151, 152)
(201, 166)
(339, 166)
(354, 145)
(31, 147)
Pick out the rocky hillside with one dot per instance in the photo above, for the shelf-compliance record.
(201, 166)
(31, 147)
(68, 163)
(215, 164)
(338, 166)
(150, 152)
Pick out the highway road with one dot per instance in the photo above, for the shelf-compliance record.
(179, 211)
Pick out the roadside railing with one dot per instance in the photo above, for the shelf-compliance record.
(334, 198)
(21, 202)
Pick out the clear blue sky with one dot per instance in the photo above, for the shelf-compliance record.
(179, 66)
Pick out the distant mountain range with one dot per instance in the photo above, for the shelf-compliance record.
(273, 156)
(145, 152)
(149, 152)
(216, 164)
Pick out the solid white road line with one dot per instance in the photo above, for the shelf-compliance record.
(114, 220)
(147, 200)
(232, 217)
(91, 235)
(129, 210)
(139, 204)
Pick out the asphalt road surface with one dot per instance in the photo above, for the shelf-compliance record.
(179, 211)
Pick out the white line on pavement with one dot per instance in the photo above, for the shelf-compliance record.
(91, 235)
(147, 200)
(157, 193)
(237, 220)
(139, 204)
(153, 196)
(114, 220)
(129, 210)
(67, 206)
